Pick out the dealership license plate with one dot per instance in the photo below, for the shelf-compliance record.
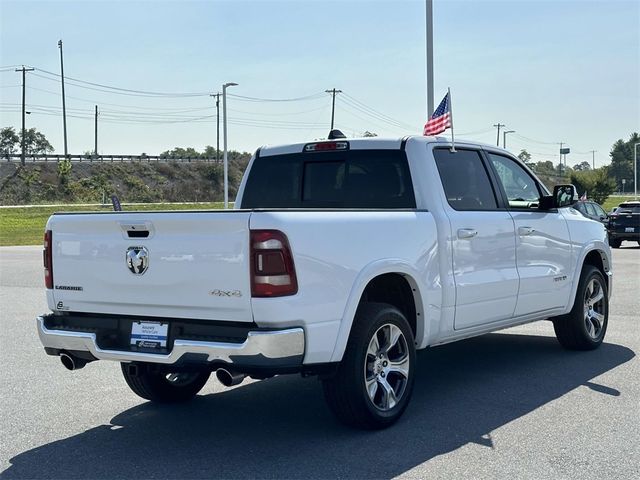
(629, 230)
(149, 334)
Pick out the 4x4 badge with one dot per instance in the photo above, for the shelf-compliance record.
(137, 260)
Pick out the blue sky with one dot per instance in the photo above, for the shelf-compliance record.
(551, 70)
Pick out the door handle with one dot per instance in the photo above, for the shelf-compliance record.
(467, 233)
(524, 231)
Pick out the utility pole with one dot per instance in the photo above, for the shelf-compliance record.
(24, 79)
(593, 159)
(504, 137)
(64, 109)
(333, 92)
(217, 95)
(224, 131)
(499, 125)
(561, 169)
(95, 148)
(429, 39)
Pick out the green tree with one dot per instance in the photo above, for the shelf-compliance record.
(582, 166)
(622, 161)
(525, 157)
(597, 183)
(35, 142)
(369, 134)
(9, 140)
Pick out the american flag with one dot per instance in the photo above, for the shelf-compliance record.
(441, 118)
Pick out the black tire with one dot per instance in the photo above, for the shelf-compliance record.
(579, 330)
(346, 392)
(151, 384)
(615, 242)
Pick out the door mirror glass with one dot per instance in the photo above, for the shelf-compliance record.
(563, 195)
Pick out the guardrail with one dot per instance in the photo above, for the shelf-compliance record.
(43, 158)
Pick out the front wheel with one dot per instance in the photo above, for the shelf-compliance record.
(585, 326)
(161, 387)
(374, 381)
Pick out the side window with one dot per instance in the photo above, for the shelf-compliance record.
(590, 210)
(580, 207)
(465, 180)
(599, 211)
(520, 187)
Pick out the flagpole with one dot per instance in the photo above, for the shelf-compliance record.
(453, 141)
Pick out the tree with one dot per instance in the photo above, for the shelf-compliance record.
(597, 184)
(622, 161)
(582, 166)
(545, 168)
(35, 142)
(369, 134)
(9, 139)
(525, 157)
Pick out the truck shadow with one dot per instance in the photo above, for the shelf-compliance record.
(281, 427)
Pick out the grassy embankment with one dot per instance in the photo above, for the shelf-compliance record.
(25, 225)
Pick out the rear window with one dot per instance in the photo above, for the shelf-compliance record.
(376, 179)
(629, 209)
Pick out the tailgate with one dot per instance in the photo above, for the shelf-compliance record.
(163, 264)
(625, 222)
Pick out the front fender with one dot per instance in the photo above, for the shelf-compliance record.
(605, 254)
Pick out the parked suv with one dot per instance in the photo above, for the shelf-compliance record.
(624, 223)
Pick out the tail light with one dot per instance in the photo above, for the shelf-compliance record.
(272, 271)
(47, 258)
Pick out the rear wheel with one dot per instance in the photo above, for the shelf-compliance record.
(374, 381)
(585, 326)
(161, 387)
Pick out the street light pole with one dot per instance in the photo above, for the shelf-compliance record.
(224, 130)
(504, 137)
(635, 169)
(429, 40)
(64, 109)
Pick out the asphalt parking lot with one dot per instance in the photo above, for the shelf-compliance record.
(506, 405)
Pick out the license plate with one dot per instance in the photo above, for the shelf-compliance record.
(149, 334)
(629, 230)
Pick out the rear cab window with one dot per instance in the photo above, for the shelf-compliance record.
(349, 179)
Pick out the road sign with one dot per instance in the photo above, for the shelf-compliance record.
(564, 151)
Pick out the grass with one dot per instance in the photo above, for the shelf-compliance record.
(25, 225)
(614, 202)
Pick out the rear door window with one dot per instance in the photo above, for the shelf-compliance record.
(376, 179)
(465, 180)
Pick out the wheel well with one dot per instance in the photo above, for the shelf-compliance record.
(394, 289)
(598, 260)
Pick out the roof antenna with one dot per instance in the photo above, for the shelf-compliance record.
(333, 134)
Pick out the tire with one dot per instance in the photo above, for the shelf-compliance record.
(615, 242)
(380, 358)
(585, 326)
(156, 386)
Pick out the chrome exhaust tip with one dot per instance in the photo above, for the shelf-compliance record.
(229, 379)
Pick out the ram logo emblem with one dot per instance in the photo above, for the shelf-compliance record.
(137, 260)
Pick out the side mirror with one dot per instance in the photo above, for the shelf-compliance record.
(562, 197)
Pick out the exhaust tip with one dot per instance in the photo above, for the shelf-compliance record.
(70, 362)
(229, 379)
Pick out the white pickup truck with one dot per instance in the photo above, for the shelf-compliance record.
(341, 259)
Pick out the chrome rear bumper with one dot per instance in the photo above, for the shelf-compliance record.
(260, 349)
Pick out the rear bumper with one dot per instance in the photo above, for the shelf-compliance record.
(260, 349)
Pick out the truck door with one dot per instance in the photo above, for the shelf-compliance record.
(482, 240)
(543, 247)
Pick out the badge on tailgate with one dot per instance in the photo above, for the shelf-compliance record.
(149, 334)
(137, 259)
